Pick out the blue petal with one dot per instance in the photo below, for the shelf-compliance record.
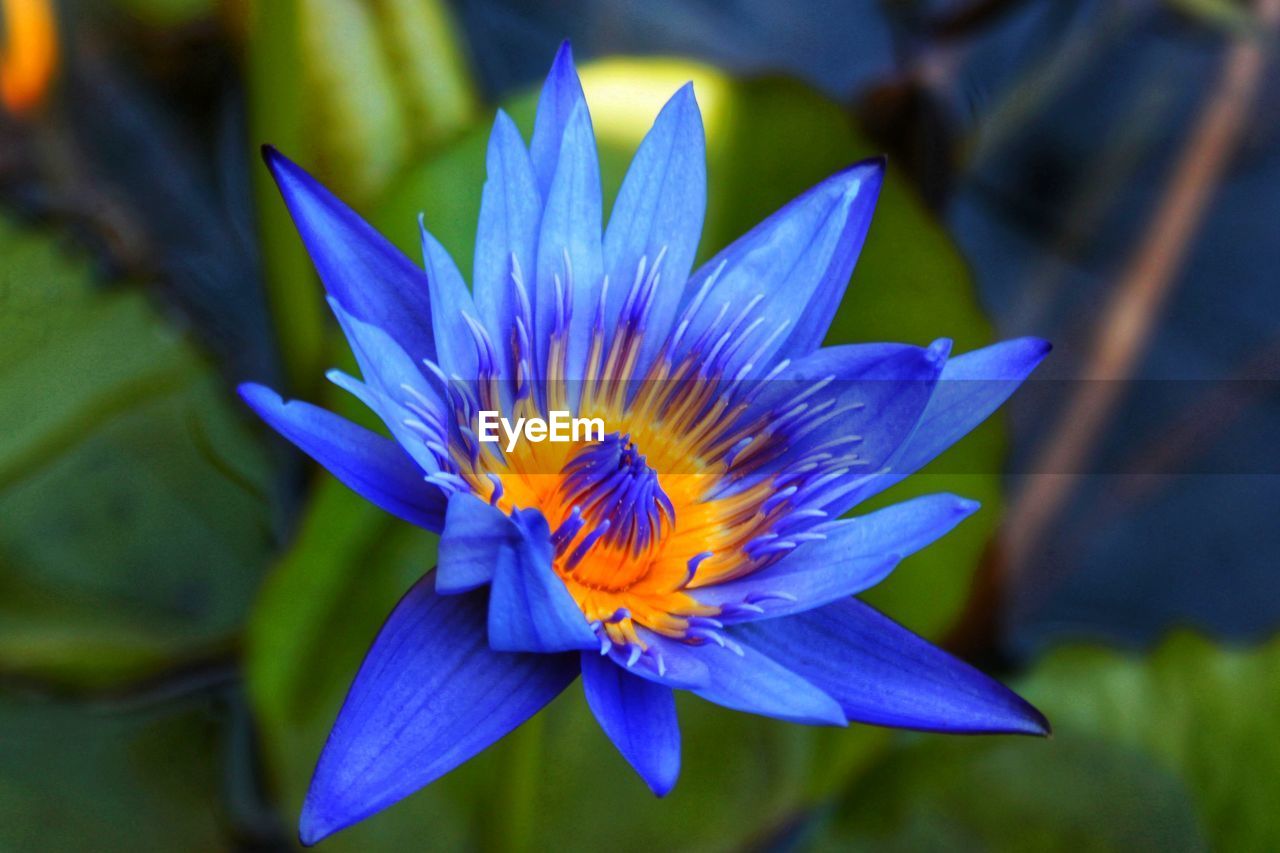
(450, 304)
(659, 210)
(869, 399)
(569, 244)
(668, 662)
(971, 387)
(746, 680)
(506, 235)
(638, 716)
(391, 379)
(429, 695)
(476, 538)
(881, 673)
(891, 384)
(371, 466)
(797, 265)
(561, 94)
(530, 609)
(360, 268)
(856, 555)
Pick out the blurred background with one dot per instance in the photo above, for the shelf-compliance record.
(183, 599)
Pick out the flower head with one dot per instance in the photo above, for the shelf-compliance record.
(695, 540)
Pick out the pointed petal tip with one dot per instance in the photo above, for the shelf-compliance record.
(255, 394)
(939, 351)
(312, 828)
(826, 712)
(863, 178)
(315, 826)
(271, 155)
(1021, 356)
(661, 787)
(264, 401)
(504, 129)
(1034, 349)
(837, 719)
(1022, 718)
(685, 102)
(275, 161)
(871, 167)
(682, 105)
(1036, 724)
(563, 66)
(1012, 715)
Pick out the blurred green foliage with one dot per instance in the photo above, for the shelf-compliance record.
(1169, 752)
(133, 502)
(1077, 793)
(117, 780)
(1228, 15)
(1200, 711)
(167, 13)
(382, 84)
(358, 91)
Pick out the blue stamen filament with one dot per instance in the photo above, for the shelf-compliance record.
(615, 488)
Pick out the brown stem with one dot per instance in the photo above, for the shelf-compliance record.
(1124, 328)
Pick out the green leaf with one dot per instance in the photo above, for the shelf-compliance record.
(1201, 711)
(424, 49)
(132, 510)
(168, 13)
(296, 301)
(1228, 15)
(354, 91)
(374, 85)
(1072, 793)
(1172, 751)
(356, 125)
(77, 779)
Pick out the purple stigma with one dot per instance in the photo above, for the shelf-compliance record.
(613, 485)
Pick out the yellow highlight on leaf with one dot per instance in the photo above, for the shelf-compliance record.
(626, 94)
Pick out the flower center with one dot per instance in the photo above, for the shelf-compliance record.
(614, 517)
(674, 498)
(611, 488)
(618, 549)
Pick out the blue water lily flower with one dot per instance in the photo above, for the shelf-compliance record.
(695, 542)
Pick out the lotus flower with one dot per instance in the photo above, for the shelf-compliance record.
(698, 544)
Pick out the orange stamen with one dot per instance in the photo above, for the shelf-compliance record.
(30, 54)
